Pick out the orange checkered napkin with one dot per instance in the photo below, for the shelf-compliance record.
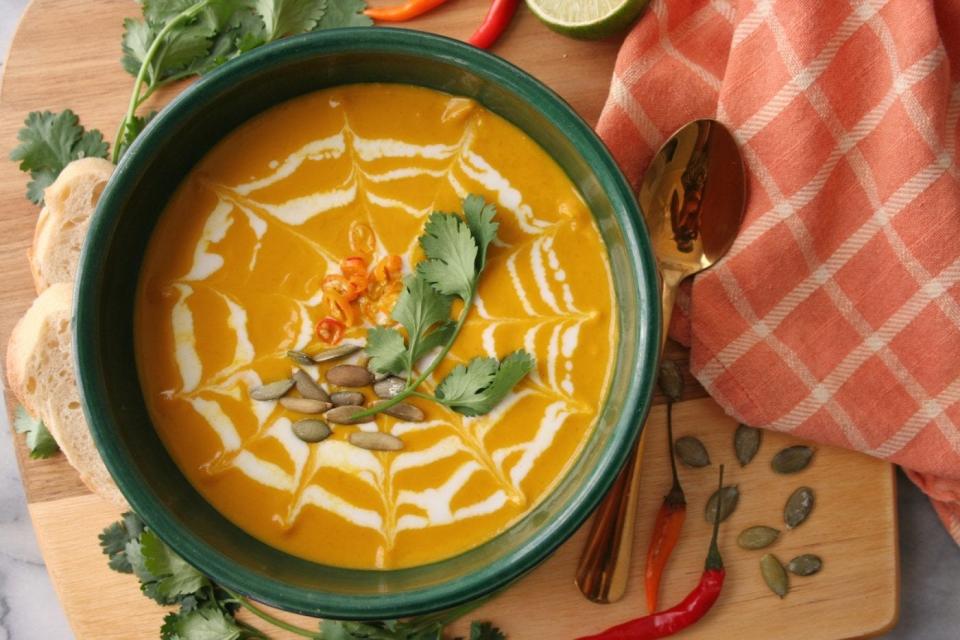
(836, 315)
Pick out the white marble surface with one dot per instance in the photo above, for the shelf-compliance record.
(29, 609)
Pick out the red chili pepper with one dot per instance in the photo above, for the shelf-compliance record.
(696, 605)
(402, 12)
(666, 529)
(494, 24)
(330, 330)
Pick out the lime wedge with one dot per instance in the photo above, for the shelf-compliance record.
(587, 19)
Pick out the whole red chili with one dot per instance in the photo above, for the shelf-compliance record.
(696, 605)
(402, 12)
(666, 529)
(494, 24)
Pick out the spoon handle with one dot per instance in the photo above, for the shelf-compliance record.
(605, 560)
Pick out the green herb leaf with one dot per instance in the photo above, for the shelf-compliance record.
(290, 17)
(344, 13)
(485, 631)
(206, 623)
(387, 350)
(174, 577)
(419, 309)
(49, 142)
(39, 441)
(479, 214)
(389, 630)
(115, 538)
(451, 264)
(475, 389)
(176, 57)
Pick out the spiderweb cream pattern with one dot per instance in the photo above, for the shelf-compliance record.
(550, 316)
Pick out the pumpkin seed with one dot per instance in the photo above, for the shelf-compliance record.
(349, 375)
(774, 575)
(731, 496)
(342, 398)
(304, 405)
(406, 412)
(375, 441)
(344, 415)
(311, 430)
(746, 443)
(300, 358)
(691, 452)
(805, 565)
(670, 380)
(389, 387)
(340, 351)
(758, 537)
(308, 387)
(792, 459)
(799, 506)
(271, 391)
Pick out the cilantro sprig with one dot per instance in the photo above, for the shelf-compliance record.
(39, 441)
(174, 39)
(208, 611)
(456, 254)
(48, 143)
(178, 39)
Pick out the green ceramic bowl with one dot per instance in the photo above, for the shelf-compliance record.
(128, 211)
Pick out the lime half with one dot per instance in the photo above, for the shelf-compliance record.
(587, 19)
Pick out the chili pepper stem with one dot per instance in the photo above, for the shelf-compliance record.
(714, 560)
(675, 496)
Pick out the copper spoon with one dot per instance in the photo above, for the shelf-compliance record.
(692, 198)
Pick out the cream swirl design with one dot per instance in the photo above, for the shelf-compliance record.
(454, 468)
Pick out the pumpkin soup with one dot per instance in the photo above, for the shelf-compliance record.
(303, 274)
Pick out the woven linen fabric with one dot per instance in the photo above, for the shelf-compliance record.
(836, 314)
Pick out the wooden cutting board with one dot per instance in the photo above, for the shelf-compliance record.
(66, 54)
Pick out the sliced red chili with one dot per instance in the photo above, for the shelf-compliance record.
(330, 330)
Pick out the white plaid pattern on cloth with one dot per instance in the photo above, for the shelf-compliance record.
(836, 315)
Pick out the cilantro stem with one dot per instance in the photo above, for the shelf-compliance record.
(411, 387)
(135, 99)
(263, 615)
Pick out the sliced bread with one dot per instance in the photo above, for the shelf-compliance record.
(40, 373)
(62, 226)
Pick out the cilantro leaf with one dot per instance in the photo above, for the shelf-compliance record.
(419, 308)
(114, 540)
(39, 440)
(345, 13)
(290, 17)
(388, 630)
(479, 215)
(451, 252)
(387, 350)
(206, 623)
(176, 55)
(174, 577)
(485, 631)
(475, 389)
(49, 142)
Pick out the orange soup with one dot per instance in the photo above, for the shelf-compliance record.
(239, 271)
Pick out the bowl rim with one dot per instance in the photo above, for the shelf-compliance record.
(573, 513)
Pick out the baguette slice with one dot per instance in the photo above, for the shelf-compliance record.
(63, 222)
(40, 373)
